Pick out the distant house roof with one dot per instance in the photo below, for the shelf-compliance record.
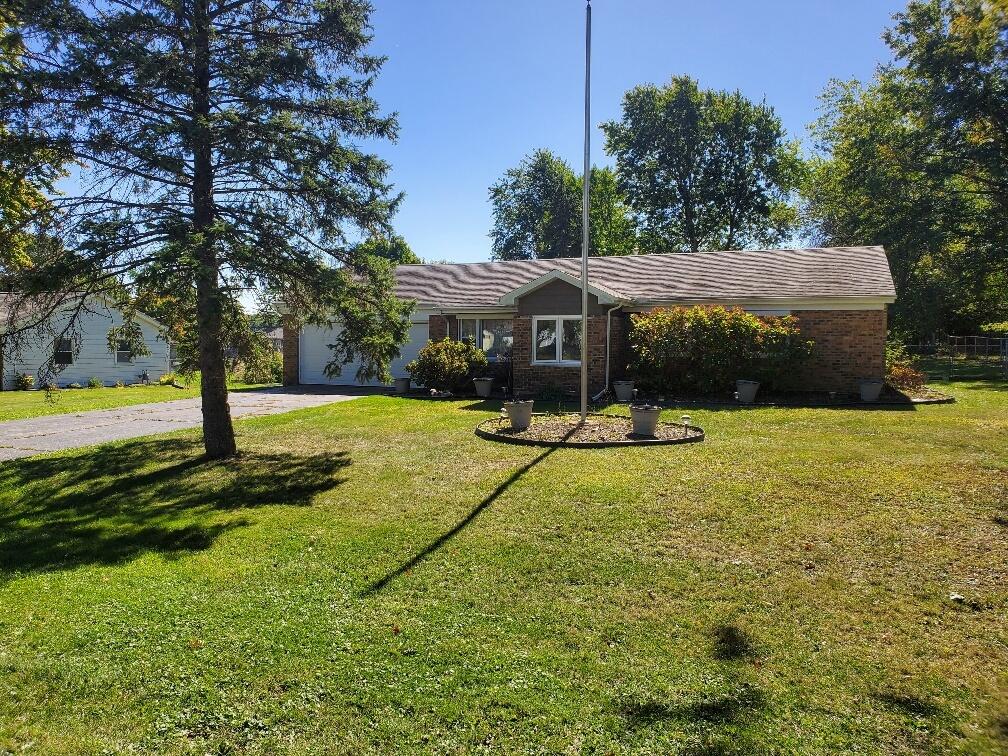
(274, 333)
(785, 274)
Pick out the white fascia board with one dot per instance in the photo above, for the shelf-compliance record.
(775, 303)
(604, 295)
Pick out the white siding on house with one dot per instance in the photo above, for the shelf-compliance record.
(315, 354)
(93, 358)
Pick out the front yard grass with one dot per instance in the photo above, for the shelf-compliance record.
(371, 577)
(17, 405)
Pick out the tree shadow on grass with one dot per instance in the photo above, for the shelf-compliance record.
(111, 504)
(732, 643)
(742, 703)
(910, 705)
(441, 540)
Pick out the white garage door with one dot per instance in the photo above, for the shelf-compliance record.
(315, 354)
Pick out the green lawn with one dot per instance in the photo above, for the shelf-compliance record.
(15, 405)
(371, 577)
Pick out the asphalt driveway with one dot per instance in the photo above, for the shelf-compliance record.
(23, 438)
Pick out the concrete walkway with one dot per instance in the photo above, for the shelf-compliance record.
(23, 438)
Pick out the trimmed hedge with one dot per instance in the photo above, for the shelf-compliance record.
(447, 365)
(706, 349)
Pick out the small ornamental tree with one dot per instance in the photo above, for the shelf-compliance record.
(447, 365)
(706, 349)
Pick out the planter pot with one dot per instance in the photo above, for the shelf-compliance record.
(870, 389)
(402, 385)
(519, 413)
(624, 390)
(645, 419)
(746, 391)
(483, 386)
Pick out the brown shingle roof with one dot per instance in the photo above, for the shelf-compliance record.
(718, 276)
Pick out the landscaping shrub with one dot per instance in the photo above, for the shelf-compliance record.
(447, 365)
(904, 377)
(265, 367)
(74, 385)
(901, 371)
(24, 382)
(168, 379)
(95, 382)
(706, 349)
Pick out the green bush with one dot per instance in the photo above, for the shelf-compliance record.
(24, 382)
(168, 379)
(901, 371)
(95, 382)
(447, 365)
(266, 367)
(995, 329)
(707, 349)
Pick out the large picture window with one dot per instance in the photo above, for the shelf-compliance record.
(492, 335)
(557, 340)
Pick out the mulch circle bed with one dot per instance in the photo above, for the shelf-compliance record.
(598, 431)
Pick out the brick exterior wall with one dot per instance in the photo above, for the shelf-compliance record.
(849, 346)
(291, 352)
(531, 379)
(437, 327)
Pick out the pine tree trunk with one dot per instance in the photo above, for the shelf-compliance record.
(218, 432)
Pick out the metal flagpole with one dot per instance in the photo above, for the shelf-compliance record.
(584, 218)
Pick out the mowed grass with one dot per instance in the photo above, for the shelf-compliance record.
(16, 405)
(371, 577)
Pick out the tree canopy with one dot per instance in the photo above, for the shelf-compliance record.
(219, 143)
(703, 169)
(537, 212)
(916, 160)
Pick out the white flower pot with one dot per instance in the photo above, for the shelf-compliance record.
(624, 390)
(870, 389)
(746, 391)
(402, 385)
(483, 386)
(645, 419)
(519, 413)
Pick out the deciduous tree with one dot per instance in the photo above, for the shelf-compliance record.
(703, 169)
(537, 212)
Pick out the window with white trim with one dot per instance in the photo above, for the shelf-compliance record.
(556, 340)
(492, 335)
(124, 354)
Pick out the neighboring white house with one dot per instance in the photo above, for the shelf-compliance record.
(92, 359)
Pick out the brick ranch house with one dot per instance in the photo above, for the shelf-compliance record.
(532, 309)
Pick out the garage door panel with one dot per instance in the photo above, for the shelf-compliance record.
(315, 355)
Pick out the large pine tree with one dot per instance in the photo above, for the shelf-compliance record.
(221, 149)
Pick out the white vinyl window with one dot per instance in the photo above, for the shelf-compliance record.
(123, 353)
(492, 335)
(556, 340)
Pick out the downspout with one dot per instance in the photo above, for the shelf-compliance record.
(608, 331)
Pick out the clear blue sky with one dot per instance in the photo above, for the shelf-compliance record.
(479, 84)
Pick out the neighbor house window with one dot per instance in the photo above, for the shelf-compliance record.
(557, 340)
(492, 335)
(123, 352)
(62, 352)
